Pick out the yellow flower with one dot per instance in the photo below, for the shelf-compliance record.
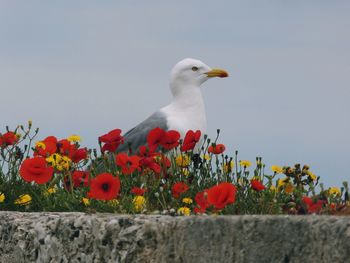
(245, 163)
(85, 201)
(228, 167)
(30, 123)
(312, 176)
(334, 191)
(53, 158)
(185, 172)
(65, 163)
(184, 211)
(276, 169)
(183, 160)
(187, 200)
(59, 162)
(273, 188)
(50, 190)
(2, 197)
(74, 138)
(139, 203)
(40, 145)
(205, 157)
(23, 200)
(282, 182)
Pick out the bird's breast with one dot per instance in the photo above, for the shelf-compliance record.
(184, 119)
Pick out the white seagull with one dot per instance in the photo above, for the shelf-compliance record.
(185, 112)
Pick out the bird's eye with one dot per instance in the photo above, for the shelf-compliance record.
(194, 68)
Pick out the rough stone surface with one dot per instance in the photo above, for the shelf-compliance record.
(78, 237)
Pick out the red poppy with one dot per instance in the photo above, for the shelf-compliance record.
(80, 178)
(153, 160)
(150, 163)
(202, 202)
(216, 149)
(221, 195)
(144, 151)
(170, 140)
(179, 188)
(190, 140)
(138, 191)
(128, 163)
(313, 207)
(155, 137)
(8, 138)
(104, 187)
(162, 163)
(257, 185)
(147, 160)
(111, 140)
(79, 154)
(65, 147)
(50, 147)
(37, 170)
(333, 207)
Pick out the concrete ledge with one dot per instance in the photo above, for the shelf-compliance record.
(78, 237)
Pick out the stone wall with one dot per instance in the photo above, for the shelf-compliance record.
(78, 237)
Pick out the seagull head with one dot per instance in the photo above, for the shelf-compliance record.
(191, 72)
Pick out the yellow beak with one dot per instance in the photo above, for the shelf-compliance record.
(216, 72)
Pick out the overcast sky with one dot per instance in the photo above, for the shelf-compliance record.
(86, 67)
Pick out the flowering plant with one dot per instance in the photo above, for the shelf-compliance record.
(168, 175)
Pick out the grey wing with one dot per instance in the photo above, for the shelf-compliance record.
(137, 136)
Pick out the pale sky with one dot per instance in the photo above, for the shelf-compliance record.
(86, 67)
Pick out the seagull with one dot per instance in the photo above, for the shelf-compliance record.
(185, 112)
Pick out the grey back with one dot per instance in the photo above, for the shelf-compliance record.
(137, 136)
